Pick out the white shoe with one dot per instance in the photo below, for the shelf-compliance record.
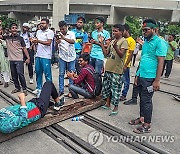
(31, 81)
(35, 91)
(38, 94)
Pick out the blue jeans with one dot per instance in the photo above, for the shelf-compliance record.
(42, 65)
(126, 81)
(63, 66)
(75, 90)
(97, 64)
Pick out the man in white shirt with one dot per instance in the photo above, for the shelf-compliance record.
(27, 39)
(67, 54)
(43, 39)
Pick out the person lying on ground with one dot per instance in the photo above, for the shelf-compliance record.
(20, 115)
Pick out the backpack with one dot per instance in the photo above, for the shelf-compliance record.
(98, 82)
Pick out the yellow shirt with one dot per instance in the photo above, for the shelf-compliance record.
(131, 47)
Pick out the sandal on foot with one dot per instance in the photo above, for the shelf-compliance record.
(105, 107)
(142, 129)
(113, 113)
(15, 91)
(135, 122)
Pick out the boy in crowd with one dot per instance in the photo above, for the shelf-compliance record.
(84, 83)
(127, 63)
(100, 40)
(172, 46)
(81, 40)
(15, 47)
(112, 82)
(27, 36)
(67, 54)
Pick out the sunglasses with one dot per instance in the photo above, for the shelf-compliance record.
(146, 29)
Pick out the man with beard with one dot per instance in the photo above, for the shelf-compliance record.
(81, 40)
(148, 74)
(43, 39)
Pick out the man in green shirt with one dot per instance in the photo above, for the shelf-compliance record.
(172, 46)
(148, 74)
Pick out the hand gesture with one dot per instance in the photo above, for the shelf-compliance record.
(27, 61)
(135, 80)
(100, 38)
(115, 44)
(156, 85)
(58, 41)
(61, 36)
(124, 68)
(70, 74)
(35, 40)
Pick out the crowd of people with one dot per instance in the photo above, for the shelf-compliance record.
(82, 57)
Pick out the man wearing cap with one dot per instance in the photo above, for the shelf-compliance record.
(27, 39)
(100, 40)
(148, 74)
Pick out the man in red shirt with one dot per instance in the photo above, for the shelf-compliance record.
(84, 83)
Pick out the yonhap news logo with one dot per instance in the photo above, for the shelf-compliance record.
(96, 138)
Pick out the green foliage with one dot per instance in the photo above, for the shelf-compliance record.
(7, 21)
(173, 29)
(135, 26)
(90, 26)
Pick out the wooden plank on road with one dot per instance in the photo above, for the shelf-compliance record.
(79, 106)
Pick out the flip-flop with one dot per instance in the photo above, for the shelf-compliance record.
(113, 113)
(105, 107)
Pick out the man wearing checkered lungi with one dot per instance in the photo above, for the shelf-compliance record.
(112, 82)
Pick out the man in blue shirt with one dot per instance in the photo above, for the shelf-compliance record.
(148, 74)
(100, 40)
(81, 40)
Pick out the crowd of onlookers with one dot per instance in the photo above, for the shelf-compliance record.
(81, 56)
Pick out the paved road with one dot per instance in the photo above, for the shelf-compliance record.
(165, 122)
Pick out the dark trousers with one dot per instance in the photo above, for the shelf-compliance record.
(135, 92)
(146, 92)
(78, 69)
(17, 73)
(30, 65)
(168, 64)
(134, 59)
(75, 90)
(54, 58)
(43, 102)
